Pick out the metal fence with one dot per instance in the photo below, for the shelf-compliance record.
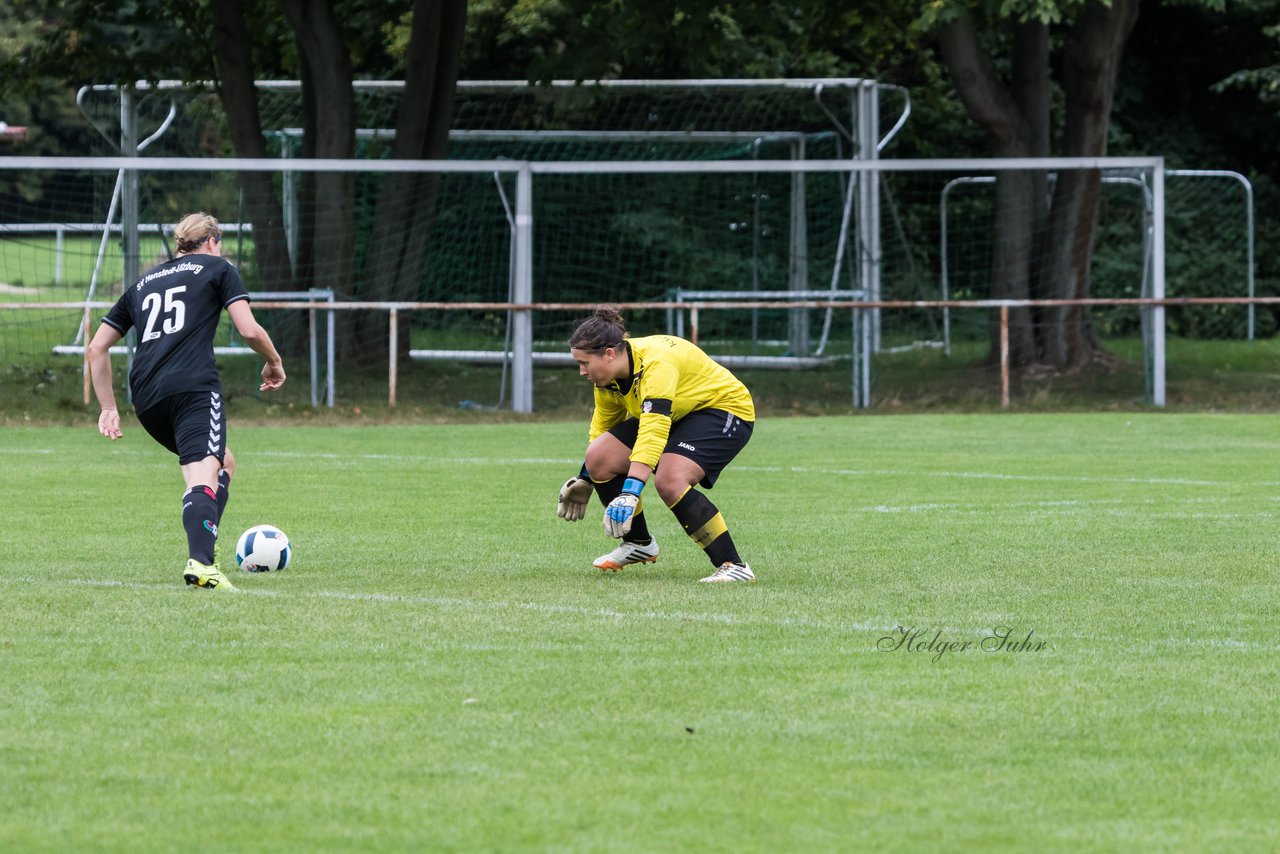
(624, 232)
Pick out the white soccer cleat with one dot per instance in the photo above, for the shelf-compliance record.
(727, 572)
(627, 554)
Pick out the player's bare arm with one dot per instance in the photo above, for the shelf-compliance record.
(98, 355)
(252, 333)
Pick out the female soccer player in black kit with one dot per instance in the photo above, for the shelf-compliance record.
(177, 393)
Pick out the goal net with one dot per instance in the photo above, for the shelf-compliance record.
(635, 236)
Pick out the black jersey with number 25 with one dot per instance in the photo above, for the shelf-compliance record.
(176, 307)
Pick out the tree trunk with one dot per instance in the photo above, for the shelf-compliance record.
(1010, 266)
(1031, 88)
(1091, 62)
(407, 205)
(240, 102)
(1016, 124)
(326, 243)
(1044, 249)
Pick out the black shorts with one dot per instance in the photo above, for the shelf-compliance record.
(192, 425)
(709, 437)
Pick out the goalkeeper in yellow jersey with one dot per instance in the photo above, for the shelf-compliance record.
(666, 413)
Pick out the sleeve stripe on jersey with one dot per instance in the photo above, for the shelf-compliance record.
(657, 406)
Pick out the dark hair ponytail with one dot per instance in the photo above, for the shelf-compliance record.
(601, 330)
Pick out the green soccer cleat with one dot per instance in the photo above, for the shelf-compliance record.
(208, 577)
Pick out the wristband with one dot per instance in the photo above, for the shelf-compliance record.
(582, 475)
(632, 486)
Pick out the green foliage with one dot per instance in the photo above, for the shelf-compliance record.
(587, 39)
(1264, 81)
(396, 38)
(44, 106)
(79, 41)
(83, 41)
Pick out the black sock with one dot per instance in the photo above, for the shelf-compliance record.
(224, 492)
(200, 520)
(610, 490)
(705, 526)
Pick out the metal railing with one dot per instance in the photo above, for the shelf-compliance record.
(860, 310)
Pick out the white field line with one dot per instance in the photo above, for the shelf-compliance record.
(462, 603)
(883, 629)
(430, 460)
(1148, 508)
(807, 470)
(976, 475)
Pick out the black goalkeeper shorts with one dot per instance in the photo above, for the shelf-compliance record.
(192, 425)
(709, 437)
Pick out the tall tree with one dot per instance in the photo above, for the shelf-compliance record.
(1043, 234)
(329, 131)
(333, 41)
(233, 55)
(407, 206)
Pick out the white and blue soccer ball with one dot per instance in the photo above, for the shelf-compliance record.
(263, 548)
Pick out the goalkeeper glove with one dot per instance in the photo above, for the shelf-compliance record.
(621, 510)
(574, 495)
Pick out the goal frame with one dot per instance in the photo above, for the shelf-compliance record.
(861, 128)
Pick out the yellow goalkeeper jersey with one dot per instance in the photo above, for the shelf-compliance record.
(670, 377)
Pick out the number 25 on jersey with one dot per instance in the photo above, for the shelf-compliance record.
(175, 312)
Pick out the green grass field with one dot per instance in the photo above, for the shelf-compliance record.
(32, 261)
(442, 669)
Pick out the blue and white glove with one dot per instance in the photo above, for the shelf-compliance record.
(622, 510)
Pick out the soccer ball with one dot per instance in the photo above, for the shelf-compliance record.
(262, 548)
